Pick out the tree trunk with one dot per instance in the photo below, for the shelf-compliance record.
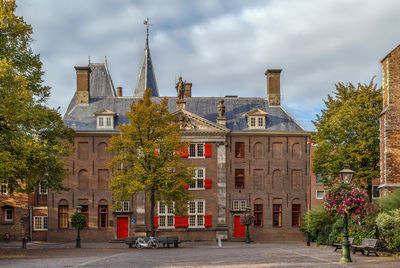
(152, 205)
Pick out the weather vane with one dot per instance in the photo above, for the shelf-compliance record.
(147, 23)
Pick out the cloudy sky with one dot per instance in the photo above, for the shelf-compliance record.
(222, 46)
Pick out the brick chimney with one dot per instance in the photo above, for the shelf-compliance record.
(273, 86)
(82, 84)
(188, 90)
(119, 91)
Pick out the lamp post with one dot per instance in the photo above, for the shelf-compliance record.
(248, 211)
(78, 238)
(346, 175)
(308, 234)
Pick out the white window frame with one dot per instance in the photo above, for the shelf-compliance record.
(5, 215)
(196, 149)
(3, 189)
(198, 179)
(105, 122)
(197, 214)
(166, 216)
(43, 190)
(375, 186)
(316, 194)
(125, 207)
(239, 204)
(40, 223)
(254, 122)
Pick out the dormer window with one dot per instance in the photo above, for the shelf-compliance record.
(256, 119)
(105, 119)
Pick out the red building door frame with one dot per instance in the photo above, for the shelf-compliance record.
(240, 230)
(122, 227)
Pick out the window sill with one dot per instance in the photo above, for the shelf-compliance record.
(196, 189)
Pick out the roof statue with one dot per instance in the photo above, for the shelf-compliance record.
(147, 78)
(221, 108)
(180, 88)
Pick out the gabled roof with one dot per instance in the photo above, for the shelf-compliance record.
(256, 112)
(104, 112)
(205, 125)
(101, 84)
(147, 78)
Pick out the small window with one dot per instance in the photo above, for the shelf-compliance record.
(196, 150)
(166, 216)
(239, 149)
(258, 215)
(239, 205)
(42, 189)
(252, 121)
(85, 211)
(296, 215)
(40, 223)
(63, 216)
(375, 192)
(196, 213)
(103, 216)
(101, 121)
(198, 179)
(105, 122)
(319, 179)
(257, 122)
(277, 215)
(239, 178)
(320, 194)
(260, 122)
(124, 207)
(9, 214)
(108, 121)
(3, 189)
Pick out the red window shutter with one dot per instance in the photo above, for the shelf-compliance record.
(186, 186)
(185, 152)
(208, 147)
(208, 220)
(181, 221)
(207, 184)
(156, 221)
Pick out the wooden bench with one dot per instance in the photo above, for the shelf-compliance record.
(165, 241)
(370, 245)
(339, 245)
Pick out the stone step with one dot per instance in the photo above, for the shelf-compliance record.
(118, 240)
(237, 239)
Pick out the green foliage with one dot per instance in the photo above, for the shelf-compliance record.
(78, 220)
(390, 201)
(365, 228)
(33, 138)
(336, 232)
(389, 228)
(148, 151)
(347, 132)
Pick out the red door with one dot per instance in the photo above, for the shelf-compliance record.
(122, 227)
(240, 230)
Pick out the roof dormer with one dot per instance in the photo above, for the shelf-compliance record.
(105, 119)
(256, 119)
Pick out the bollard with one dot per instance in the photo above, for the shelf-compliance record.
(219, 242)
(308, 236)
(24, 242)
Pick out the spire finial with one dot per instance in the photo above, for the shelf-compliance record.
(147, 23)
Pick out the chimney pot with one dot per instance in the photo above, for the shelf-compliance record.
(273, 86)
(188, 90)
(82, 84)
(119, 91)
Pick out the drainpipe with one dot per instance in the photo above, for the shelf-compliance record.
(30, 223)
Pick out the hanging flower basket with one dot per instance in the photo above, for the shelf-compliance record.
(246, 219)
(341, 198)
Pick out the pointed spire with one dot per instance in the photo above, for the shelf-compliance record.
(147, 78)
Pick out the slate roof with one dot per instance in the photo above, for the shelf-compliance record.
(82, 118)
(101, 84)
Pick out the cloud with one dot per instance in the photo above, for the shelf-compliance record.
(222, 47)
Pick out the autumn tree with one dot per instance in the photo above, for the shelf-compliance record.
(33, 138)
(147, 157)
(347, 132)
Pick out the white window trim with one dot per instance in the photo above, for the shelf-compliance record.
(379, 197)
(256, 118)
(197, 214)
(6, 191)
(241, 204)
(104, 117)
(42, 226)
(43, 192)
(316, 194)
(122, 209)
(5, 215)
(166, 214)
(196, 151)
(196, 178)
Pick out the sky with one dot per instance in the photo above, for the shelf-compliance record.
(223, 47)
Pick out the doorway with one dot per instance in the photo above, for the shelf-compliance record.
(122, 227)
(240, 230)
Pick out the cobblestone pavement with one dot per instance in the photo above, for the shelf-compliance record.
(189, 254)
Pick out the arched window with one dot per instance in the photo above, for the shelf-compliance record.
(258, 212)
(103, 214)
(277, 182)
(296, 213)
(296, 151)
(101, 150)
(258, 150)
(83, 179)
(63, 214)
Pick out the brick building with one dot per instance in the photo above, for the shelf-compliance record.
(249, 153)
(390, 123)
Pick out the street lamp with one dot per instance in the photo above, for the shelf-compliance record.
(78, 238)
(346, 175)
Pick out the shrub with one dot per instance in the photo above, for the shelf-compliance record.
(320, 224)
(365, 228)
(390, 202)
(389, 228)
